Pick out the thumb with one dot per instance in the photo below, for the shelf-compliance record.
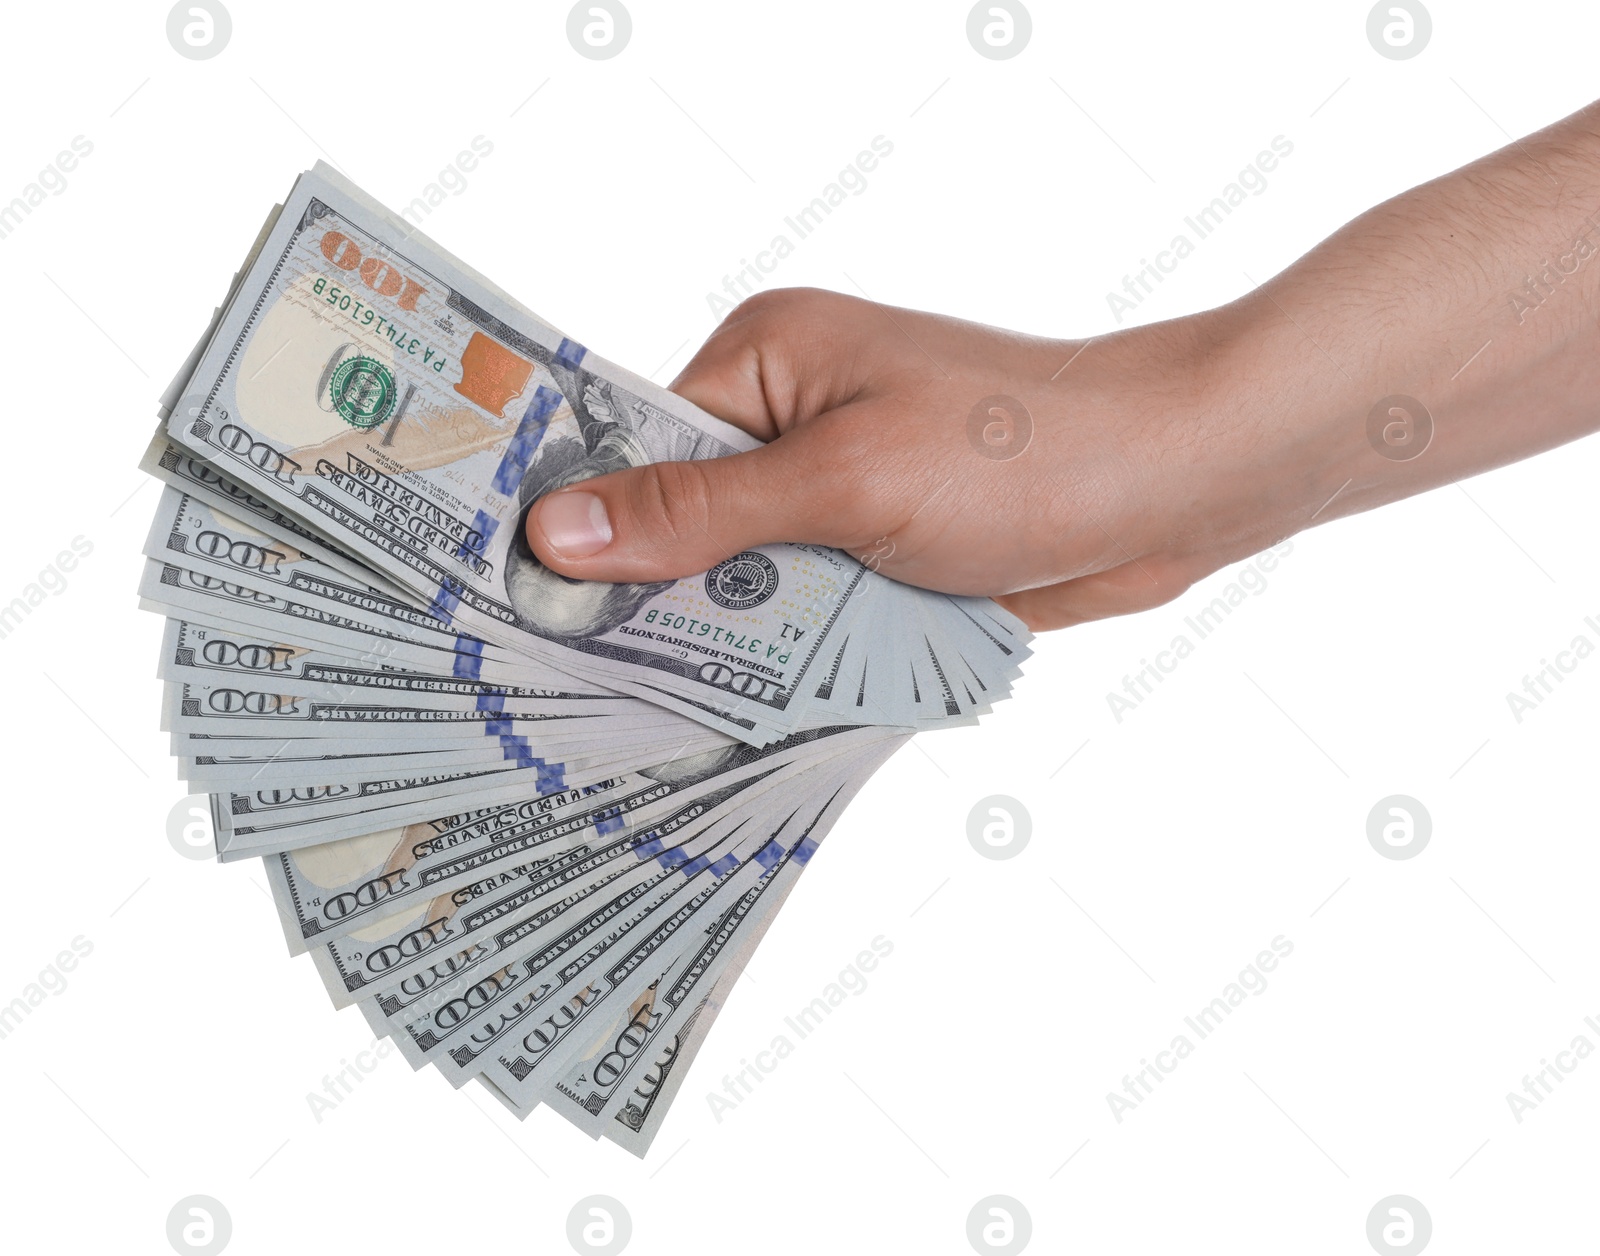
(673, 519)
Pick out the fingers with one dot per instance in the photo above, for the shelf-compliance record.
(725, 378)
(779, 359)
(1122, 590)
(676, 519)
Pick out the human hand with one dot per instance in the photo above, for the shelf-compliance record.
(1129, 466)
(1105, 491)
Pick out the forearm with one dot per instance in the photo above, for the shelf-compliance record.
(1083, 479)
(1476, 294)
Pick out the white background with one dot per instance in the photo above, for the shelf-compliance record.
(1221, 813)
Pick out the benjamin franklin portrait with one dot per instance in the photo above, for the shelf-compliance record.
(615, 432)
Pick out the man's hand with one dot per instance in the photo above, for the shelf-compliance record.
(879, 445)
(1074, 480)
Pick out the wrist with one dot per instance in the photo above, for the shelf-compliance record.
(1247, 442)
(1323, 419)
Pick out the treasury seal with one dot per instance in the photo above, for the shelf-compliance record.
(363, 392)
(743, 581)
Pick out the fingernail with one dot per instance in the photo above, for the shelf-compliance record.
(575, 524)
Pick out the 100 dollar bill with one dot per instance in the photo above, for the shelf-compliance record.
(384, 396)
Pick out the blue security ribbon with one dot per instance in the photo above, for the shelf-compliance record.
(485, 525)
(647, 847)
(519, 452)
(769, 855)
(443, 606)
(570, 354)
(468, 663)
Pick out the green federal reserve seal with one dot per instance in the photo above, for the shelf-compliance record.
(363, 392)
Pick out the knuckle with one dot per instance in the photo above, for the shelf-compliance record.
(787, 346)
(762, 305)
(782, 304)
(672, 501)
(783, 316)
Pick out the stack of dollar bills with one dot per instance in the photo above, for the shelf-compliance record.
(532, 827)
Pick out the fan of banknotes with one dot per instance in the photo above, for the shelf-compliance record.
(533, 828)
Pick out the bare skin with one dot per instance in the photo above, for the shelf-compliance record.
(1158, 454)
